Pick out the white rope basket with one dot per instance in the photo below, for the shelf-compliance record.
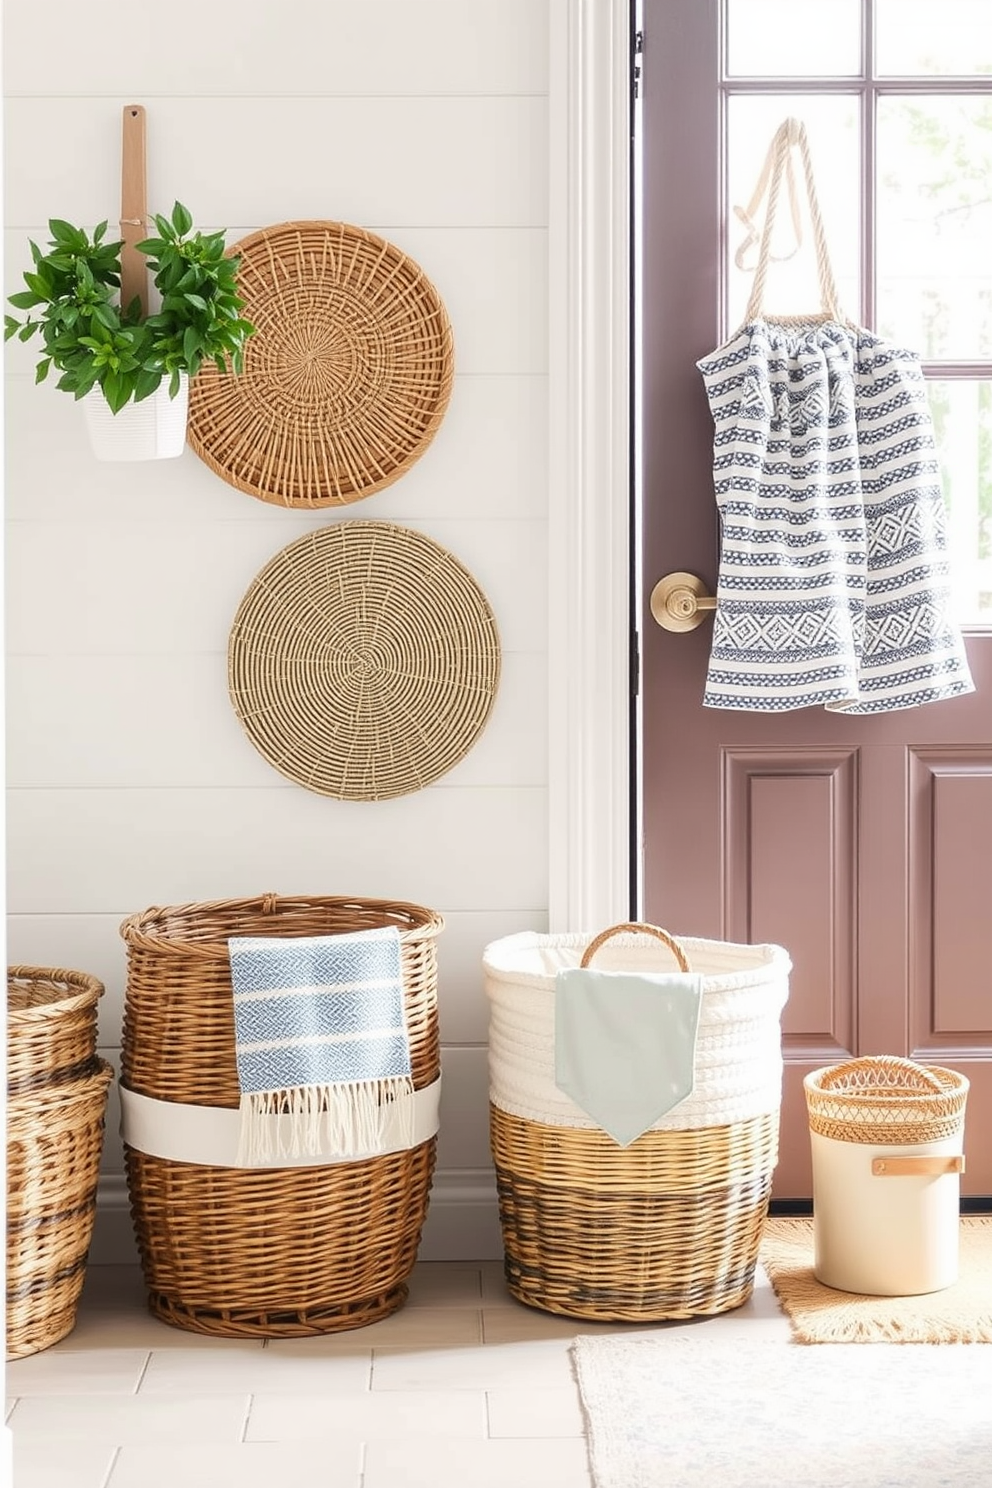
(738, 1064)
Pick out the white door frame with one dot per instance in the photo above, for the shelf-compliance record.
(588, 525)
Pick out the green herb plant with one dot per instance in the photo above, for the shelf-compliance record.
(72, 301)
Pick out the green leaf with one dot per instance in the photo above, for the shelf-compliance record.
(106, 315)
(40, 286)
(41, 371)
(165, 228)
(116, 391)
(145, 384)
(152, 246)
(26, 299)
(66, 234)
(175, 383)
(10, 327)
(26, 332)
(197, 301)
(182, 221)
(192, 342)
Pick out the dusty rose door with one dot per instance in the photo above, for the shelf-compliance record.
(864, 846)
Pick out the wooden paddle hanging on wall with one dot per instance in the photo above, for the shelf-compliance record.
(134, 206)
(155, 428)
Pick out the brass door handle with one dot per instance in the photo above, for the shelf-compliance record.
(679, 601)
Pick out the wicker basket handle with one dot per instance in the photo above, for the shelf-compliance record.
(864, 1073)
(640, 929)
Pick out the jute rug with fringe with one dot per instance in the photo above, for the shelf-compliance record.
(962, 1313)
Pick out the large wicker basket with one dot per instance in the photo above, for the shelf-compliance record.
(51, 1027)
(54, 1142)
(669, 1226)
(274, 1252)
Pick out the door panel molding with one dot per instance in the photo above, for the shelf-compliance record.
(771, 797)
(950, 868)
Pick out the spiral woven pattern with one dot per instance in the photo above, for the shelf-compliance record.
(346, 378)
(363, 661)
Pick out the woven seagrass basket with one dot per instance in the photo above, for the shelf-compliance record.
(273, 1252)
(667, 1227)
(51, 1027)
(54, 1142)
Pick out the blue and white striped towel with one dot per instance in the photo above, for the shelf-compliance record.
(320, 1035)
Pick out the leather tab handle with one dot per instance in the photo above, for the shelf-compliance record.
(913, 1167)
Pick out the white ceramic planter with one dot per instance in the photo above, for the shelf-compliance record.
(154, 429)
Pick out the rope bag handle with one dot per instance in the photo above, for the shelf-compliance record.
(790, 135)
(641, 929)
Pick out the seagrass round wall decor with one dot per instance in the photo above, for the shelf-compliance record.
(363, 661)
(346, 379)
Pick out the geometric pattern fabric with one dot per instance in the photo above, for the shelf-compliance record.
(833, 586)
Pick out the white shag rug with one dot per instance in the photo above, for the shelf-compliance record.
(666, 1412)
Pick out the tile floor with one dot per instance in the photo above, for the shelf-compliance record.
(462, 1388)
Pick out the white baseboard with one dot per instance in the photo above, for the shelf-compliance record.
(113, 1238)
(462, 1220)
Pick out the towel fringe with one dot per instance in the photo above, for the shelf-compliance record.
(347, 1119)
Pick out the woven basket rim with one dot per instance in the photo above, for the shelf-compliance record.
(884, 1096)
(138, 930)
(82, 991)
(56, 1106)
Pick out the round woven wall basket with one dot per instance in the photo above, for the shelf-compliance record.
(363, 661)
(346, 378)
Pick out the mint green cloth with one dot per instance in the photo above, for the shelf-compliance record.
(625, 1044)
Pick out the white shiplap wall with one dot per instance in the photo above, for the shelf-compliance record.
(130, 782)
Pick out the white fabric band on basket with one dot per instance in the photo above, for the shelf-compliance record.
(209, 1135)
